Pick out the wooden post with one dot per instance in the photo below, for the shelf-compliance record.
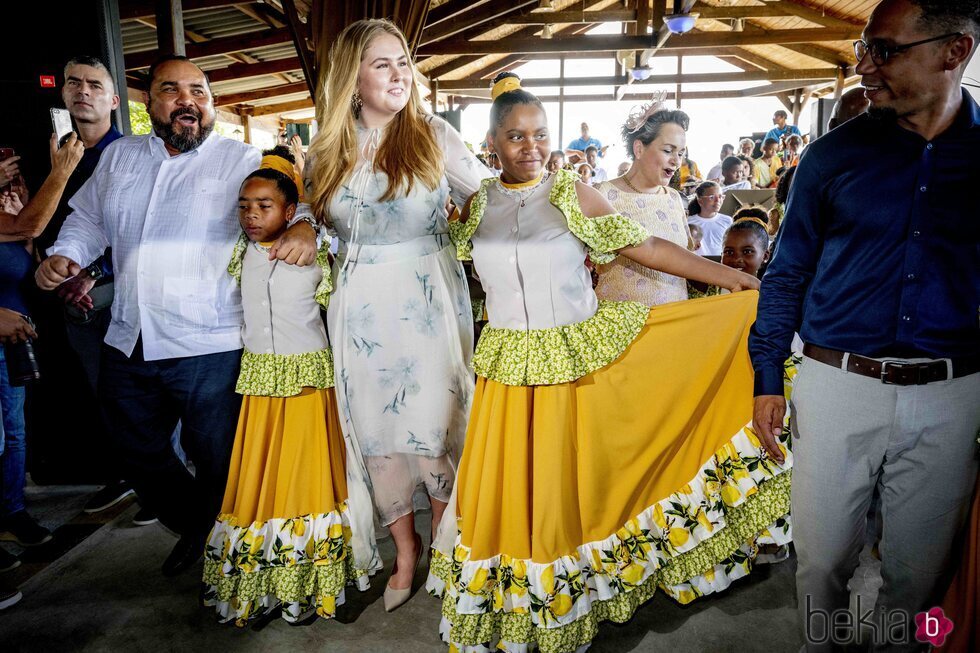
(839, 86)
(561, 103)
(245, 114)
(170, 27)
(797, 105)
(680, 68)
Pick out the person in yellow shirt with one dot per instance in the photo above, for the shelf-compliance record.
(767, 165)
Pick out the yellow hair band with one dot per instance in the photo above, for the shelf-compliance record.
(755, 220)
(276, 162)
(505, 85)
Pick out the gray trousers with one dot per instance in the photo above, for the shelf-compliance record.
(918, 444)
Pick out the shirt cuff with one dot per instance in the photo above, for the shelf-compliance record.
(68, 252)
(769, 381)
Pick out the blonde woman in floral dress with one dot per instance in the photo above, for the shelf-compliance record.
(652, 142)
(283, 536)
(401, 325)
(602, 461)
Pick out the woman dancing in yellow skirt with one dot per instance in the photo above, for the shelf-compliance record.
(602, 460)
(283, 535)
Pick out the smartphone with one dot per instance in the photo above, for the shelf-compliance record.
(61, 123)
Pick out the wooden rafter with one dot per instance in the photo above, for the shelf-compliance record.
(282, 107)
(823, 54)
(146, 8)
(243, 70)
(802, 10)
(451, 9)
(686, 78)
(260, 94)
(612, 43)
(299, 34)
(217, 46)
(485, 18)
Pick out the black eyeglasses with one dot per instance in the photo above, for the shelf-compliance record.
(881, 51)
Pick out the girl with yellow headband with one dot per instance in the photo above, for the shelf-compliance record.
(602, 460)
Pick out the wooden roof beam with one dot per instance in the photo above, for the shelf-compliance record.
(637, 92)
(823, 54)
(485, 18)
(260, 16)
(612, 43)
(447, 85)
(146, 8)
(451, 9)
(260, 94)
(527, 32)
(552, 18)
(802, 10)
(218, 46)
(243, 70)
(283, 107)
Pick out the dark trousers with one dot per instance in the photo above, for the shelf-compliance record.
(143, 401)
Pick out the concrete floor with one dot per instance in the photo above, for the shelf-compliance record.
(107, 594)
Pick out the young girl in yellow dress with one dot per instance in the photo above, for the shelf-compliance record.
(602, 460)
(282, 538)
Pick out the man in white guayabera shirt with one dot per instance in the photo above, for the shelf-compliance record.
(167, 205)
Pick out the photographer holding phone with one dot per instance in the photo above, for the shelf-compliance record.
(22, 219)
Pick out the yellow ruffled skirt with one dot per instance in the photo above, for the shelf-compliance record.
(283, 535)
(577, 500)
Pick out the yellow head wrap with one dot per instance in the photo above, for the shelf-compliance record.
(503, 86)
(276, 162)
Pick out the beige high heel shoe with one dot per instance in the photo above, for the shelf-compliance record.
(393, 598)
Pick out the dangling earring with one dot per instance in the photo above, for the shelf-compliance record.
(356, 103)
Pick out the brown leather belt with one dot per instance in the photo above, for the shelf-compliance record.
(895, 373)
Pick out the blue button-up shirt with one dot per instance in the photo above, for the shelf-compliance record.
(879, 253)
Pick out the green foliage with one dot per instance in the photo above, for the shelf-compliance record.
(139, 119)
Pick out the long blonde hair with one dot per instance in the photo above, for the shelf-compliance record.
(408, 152)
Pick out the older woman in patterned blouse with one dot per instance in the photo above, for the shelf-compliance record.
(656, 145)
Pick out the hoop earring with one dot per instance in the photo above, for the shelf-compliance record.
(356, 103)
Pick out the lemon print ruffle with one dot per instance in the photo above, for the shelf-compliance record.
(559, 354)
(284, 375)
(603, 235)
(692, 543)
(301, 563)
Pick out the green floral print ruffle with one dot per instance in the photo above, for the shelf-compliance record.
(603, 235)
(559, 354)
(300, 564)
(284, 375)
(692, 543)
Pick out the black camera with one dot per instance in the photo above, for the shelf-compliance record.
(21, 361)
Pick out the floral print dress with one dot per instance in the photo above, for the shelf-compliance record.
(401, 327)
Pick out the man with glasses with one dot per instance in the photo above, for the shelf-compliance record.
(876, 266)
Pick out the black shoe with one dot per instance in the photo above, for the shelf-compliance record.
(108, 496)
(22, 529)
(186, 552)
(9, 596)
(8, 561)
(145, 517)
